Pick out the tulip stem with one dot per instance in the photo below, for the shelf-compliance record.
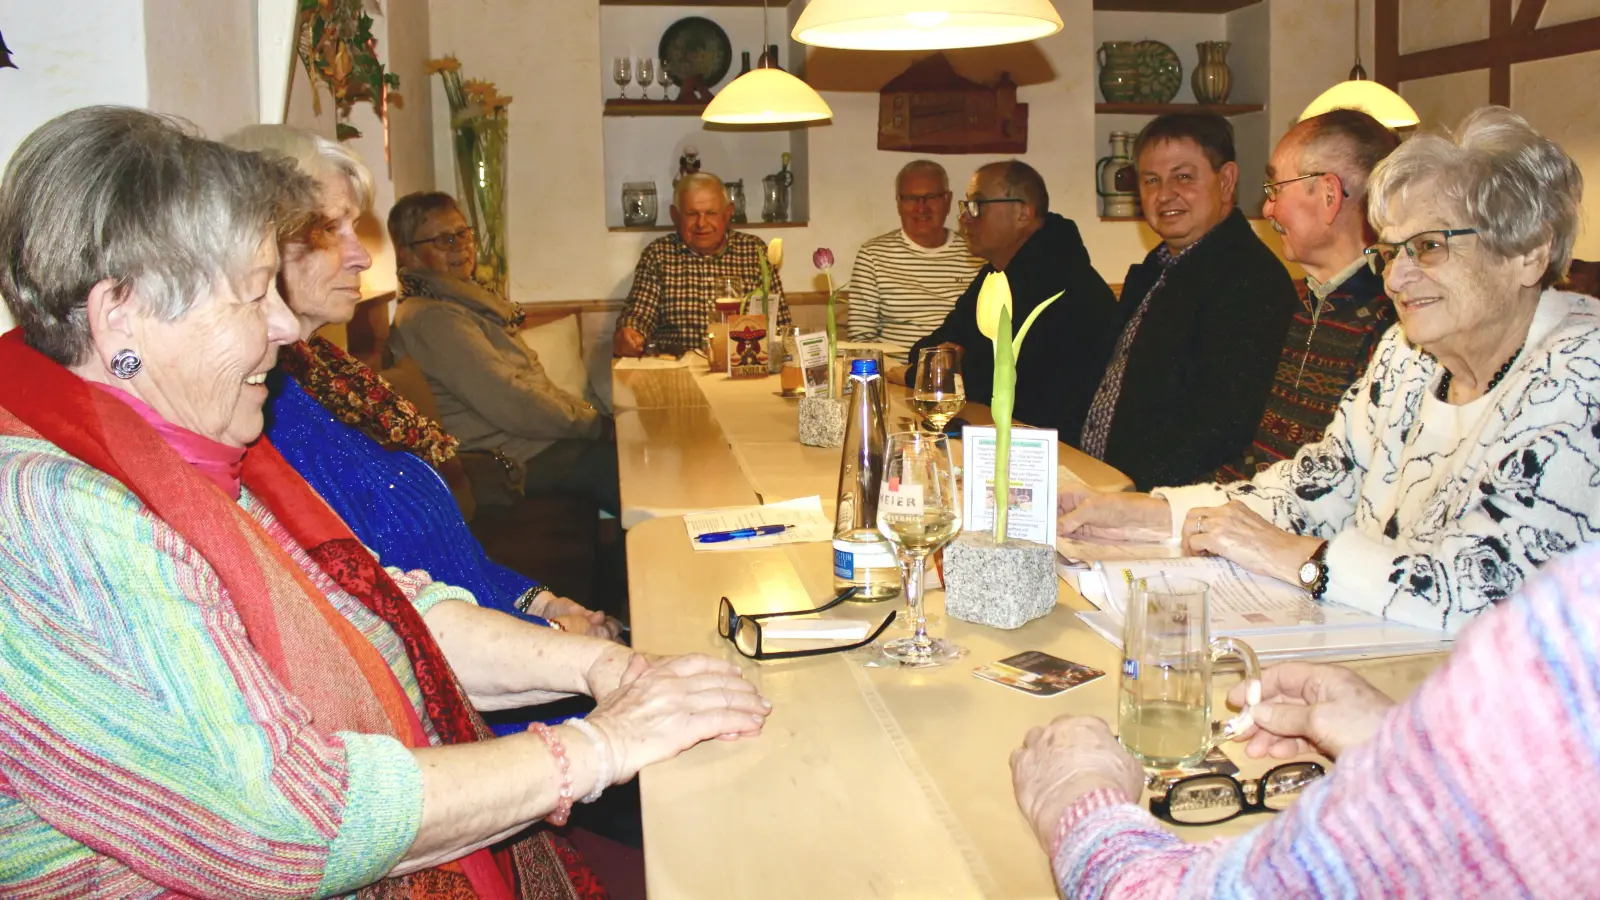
(1005, 390)
(833, 333)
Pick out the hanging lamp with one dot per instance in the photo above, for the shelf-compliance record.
(766, 96)
(924, 24)
(1369, 97)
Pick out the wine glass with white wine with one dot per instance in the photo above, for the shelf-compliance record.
(939, 392)
(919, 511)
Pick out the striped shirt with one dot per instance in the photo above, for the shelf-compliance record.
(900, 291)
(1479, 785)
(145, 747)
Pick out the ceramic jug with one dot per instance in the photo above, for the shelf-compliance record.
(1211, 79)
(1119, 71)
(1116, 179)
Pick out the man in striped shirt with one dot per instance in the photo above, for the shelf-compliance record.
(906, 282)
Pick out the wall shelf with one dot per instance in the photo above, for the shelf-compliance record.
(737, 226)
(1161, 109)
(617, 106)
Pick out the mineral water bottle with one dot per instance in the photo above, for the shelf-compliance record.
(862, 559)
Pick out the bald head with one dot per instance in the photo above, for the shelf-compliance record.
(702, 213)
(1018, 179)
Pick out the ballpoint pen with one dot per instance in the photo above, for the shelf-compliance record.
(717, 537)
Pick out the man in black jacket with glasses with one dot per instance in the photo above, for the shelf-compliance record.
(1007, 219)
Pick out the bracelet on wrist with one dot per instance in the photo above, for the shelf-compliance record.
(602, 754)
(563, 811)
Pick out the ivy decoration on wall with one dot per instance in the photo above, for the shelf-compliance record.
(5, 55)
(336, 45)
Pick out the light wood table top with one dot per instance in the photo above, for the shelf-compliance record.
(866, 782)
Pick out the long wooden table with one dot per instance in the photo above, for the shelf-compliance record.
(866, 782)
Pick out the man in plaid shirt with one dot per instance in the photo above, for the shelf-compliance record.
(678, 275)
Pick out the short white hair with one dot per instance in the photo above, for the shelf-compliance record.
(921, 167)
(311, 153)
(698, 181)
(1513, 184)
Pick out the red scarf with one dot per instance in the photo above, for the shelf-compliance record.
(312, 650)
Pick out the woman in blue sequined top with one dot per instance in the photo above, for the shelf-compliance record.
(366, 450)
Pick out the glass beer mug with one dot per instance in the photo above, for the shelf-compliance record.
(1164, 707)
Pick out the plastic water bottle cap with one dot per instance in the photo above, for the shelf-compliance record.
(863, 367)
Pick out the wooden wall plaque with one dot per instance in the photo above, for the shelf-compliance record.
(930, 108)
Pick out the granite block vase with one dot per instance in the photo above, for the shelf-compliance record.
(1003, 585)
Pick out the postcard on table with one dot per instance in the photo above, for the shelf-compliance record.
(803, 514)
(1032, 492)
(1037, 673)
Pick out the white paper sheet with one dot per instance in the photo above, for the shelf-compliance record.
(1278, 620)
(804, 513)
(631, 363)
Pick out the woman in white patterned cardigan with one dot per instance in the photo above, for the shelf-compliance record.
(1469, 453)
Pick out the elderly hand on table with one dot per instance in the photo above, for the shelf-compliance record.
(1091, 515)
(662, 707)
(1240, 535)
(574, 617)
(1306, 708)
(1068, 759)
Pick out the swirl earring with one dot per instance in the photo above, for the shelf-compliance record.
(126, 364)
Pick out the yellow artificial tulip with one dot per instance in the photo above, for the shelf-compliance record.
(775, 253)
(993, 295)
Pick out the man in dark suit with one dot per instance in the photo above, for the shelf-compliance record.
(1201, 320)
(1007, 219)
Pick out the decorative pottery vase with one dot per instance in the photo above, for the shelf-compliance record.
(1212, 79)
(1160, 72)
(1116, 180)
(1119, 71)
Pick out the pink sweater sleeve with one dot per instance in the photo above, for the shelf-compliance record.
(1480, 785)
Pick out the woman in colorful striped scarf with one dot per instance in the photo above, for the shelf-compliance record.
(208, 686)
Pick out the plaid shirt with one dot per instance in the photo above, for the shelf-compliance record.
(673, 287)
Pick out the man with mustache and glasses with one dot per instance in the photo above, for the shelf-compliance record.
(1201, 321)
(1316, 189)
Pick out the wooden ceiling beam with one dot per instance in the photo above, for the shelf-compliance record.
(1543, 43)
(1528, 15)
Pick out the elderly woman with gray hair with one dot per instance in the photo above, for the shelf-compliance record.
(1469, 454)
(1462, 462)
(210, 687)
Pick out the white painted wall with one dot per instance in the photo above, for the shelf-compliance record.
(67, 56)
(200, 59)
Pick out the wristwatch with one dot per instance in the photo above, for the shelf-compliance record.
(1313, 573)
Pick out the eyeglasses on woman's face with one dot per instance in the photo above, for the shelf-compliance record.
(1427, 249)
(449, 240)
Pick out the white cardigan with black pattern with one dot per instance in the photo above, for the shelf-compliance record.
(1434, 512)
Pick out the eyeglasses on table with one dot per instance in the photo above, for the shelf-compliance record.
(1211, 798)
(744, 631)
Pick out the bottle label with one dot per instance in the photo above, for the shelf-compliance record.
(844, 565)
(850, 557)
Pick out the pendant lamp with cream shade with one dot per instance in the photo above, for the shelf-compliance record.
(924, 24)
(1358, 93)
(766, 96)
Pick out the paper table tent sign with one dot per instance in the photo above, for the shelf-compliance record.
(1032, 492)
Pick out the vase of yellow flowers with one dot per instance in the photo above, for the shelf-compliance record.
(989, 578)
(478, 131)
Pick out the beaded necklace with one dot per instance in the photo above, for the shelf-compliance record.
(1443, 391)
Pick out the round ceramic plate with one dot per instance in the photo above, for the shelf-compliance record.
(696, 46)
(1160, 72)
